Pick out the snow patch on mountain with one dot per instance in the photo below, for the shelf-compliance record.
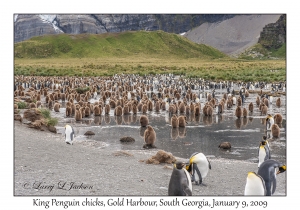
(50, 19)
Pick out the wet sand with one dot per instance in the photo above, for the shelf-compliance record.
(45, 165)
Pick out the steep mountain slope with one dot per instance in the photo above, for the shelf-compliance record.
(29, 25)
(234, 35)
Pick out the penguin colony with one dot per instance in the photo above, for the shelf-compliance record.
(124, 96)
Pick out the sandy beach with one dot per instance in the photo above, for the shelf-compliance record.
(45, 165)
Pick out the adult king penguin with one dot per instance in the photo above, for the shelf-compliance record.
(268, 170)
(269, 122)
(255, 185)
(198, 167)
(180, 182)
(263, 152)
(69, 134)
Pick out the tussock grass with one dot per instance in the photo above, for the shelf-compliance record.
(48, 119)
(21, 105)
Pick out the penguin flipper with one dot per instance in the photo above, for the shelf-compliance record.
(187, 191)
(209, 165)
(198, 173)
(274, 185)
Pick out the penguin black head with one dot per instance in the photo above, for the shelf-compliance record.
(281, 169)
(263, 142)
(179, 165)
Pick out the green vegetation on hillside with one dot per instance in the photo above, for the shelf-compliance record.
(138, 53)
(156, 44)
(259, 52)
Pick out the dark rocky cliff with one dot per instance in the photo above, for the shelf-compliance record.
(274, 34)
(29, 25)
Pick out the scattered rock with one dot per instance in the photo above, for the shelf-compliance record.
(18, 117)
(89, 133)
(32, 115)
(127, 139)
(51, 128)
(161, 157)
(225, 145)
(168, 167)
(122, 153)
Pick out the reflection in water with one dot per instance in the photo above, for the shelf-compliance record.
(127, 119)
(118, 120)
(238, 123)
(174, 133)
(142, 131)
(182, 132)
(107, 119)
(97, 120)
(202, 133)
(207, 120)
(134, 118)
(196, 118)
(245, 121)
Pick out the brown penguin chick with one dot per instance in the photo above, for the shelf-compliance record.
(245, 112)
(157, 106)
(251, 107)
(118, 111)
(68, 111)
(112, 104)
(229, 103)
(225, 145)
(278, 102)
(275, 130)
(87, 111)
(97, 110)
(134, 109)
(47, 99)
(174, 121)
(32, 105)
(264, 109)
(163, 105)
(73, 106)
(172, 109)
(181, 108)
(266, 102)
(149, 137)
(278, 118)
(239, 101)
(246, 93)
(144, 121)
(187, 110)
(144, 108)
(63, 97)
(238, 111)
(209, 111)
(197, 110)
(150, 106)
(182, 121)
(56, 107)
(82, 110)
(139, 106)
(50, 104)
(15, 106)
(209, 97)
(220, 108)
(78, 115)
(257, 101)
(107, 109)
(126, 110)
(204, 110)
